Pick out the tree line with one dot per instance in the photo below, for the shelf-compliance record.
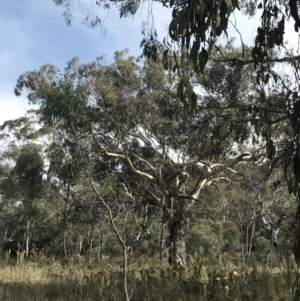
(112, 149)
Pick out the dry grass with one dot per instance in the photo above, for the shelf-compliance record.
(46, 279)
(53, 280)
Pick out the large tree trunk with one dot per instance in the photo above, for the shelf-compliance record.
(178, 228)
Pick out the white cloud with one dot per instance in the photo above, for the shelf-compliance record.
(12, 107)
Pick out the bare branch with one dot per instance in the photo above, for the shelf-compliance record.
(138, 172)
(127, 192)
(145, 162)
(211, 173)
(147, 141)
(125, 158)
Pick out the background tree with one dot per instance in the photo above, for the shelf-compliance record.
(22, 183)
(124, 114)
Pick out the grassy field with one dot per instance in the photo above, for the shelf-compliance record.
(45, 279)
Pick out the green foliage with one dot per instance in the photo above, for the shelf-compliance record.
(109, 187)
(68, 169)
(213, 238)
(45, 234)
(71, 170)
(29, 169)
(55, 154)
(231, 237)
(8, 187)
(66, 102)
(29, 164)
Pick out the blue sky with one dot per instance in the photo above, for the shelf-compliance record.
(33, 33)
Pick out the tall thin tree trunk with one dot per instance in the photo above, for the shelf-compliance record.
(296, 249)
(80, 242)
(121, 240)
(251, 240)
(65, 222)
(101, 248)
(161, 244)
(65, 252)
(125, 273)
(27, 239)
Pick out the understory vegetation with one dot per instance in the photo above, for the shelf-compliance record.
(205, 278)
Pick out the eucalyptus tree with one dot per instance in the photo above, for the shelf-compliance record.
(192, 34)
(128, 116)
(21, 187)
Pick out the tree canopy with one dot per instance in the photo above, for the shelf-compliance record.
(129, 117)
(115, 144)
